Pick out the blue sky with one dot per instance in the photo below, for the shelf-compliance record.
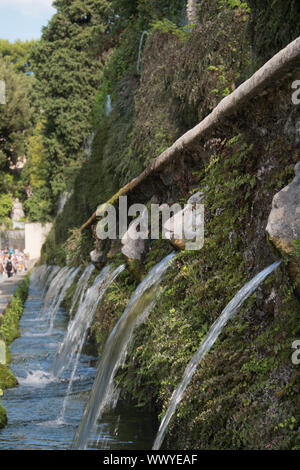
(23, 19)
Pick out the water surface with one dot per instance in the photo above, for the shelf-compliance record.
(34, 407)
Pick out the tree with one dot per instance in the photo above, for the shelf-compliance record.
(15, 116)
(6, 204)
(17, 53)
(35, 178)
(68, 74)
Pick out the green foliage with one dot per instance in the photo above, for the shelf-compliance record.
(53, 250)
(39, 168)
(297, 249)
(247, 363)
(172, 10)
(39, 206)
(273, 25)
(16, 122)
(10, 318)
(144, 12)
(166, 26)
(296, 254)
(6, 204)
(150, 112)
(235, 4)
(9, 331)
(68, 73)
(17, 53)
(15, 115)
(7, 379)
(200, 77)
(35, 179)
(78, 247)
(3, 417)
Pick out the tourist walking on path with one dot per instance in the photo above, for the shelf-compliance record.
(9, 267)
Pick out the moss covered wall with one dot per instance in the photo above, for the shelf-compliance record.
(273, 25)
(245, 393)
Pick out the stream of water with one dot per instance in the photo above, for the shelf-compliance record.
(62, 401)
(34, 406)
(211, 337)
(103, 395)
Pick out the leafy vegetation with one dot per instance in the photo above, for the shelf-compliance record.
(67, 72)
(17, 53)
(16, 122)
(9, 330)
(273, 25)
(230, 402)
(15, 116)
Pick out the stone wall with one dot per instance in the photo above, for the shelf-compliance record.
(35, 235)
(12, 239)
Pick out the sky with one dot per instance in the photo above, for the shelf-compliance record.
(23, 19)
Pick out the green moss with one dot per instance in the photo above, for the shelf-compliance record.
(9, 330)
(273, 26)
(3, 417)
(9, 320)
(235, 390)
(7, 379)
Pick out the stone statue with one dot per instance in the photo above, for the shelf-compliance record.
(17, 212)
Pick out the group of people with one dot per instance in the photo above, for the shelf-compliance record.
(12, 262)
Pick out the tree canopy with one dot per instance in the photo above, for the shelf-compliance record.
(15, 115)
(68, 73)
(17, 53)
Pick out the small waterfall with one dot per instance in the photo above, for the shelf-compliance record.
(54, 288)
(86, 148)
(62, 279)
(206, 345)
(138, 67)
(90, 142)
(40, 274)
(81, 286)
(68, 280)
(115, 350)
(78, 327)
(108, 106)
(76, 335)
(62, 201)
(49, 276)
